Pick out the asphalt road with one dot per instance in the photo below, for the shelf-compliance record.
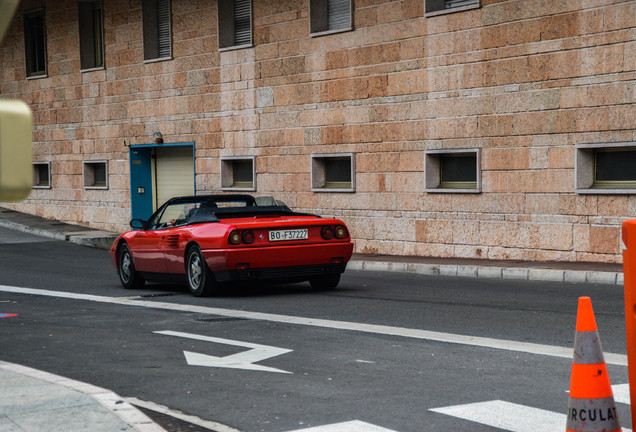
(362, 352)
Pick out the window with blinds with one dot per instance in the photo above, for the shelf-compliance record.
(35, 43)
(333, 173)
(163, 27)
(235, 23)
(330, 16)
(453, 171)
(91, 32)
(606, 168)
(238, 173)
(435, 7)
(615, 168)
(95, 174)
(157, 29)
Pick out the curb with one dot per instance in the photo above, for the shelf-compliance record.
(91, 238)
(113, 402)
(512, 273)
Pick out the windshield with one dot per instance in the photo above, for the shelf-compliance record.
(211, 208)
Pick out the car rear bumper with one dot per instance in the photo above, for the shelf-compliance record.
(288, 274)
(294, 262)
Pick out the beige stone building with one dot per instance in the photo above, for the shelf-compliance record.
(501, 129)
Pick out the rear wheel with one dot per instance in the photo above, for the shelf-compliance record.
(326, 282)
(200, 278)
(128, 276)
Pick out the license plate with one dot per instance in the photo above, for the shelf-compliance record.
(297, 234)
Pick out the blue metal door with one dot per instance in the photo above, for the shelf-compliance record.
(141, 183)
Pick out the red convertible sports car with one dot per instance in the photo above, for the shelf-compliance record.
(211, 239)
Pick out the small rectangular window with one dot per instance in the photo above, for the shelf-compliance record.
(42, 175)
(333, 173)
(235, 24)
(35, 44)
(438, 7)
(606, 168)
(330, 16)
(157, 30)
(91, 30)
(96, 175)
(453, 171)
(238, 173)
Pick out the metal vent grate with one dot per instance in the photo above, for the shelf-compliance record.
(163, 27)
(339, 14)
(242, 22)
(449, 4)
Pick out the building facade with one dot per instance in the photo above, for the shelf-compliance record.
(500, 129)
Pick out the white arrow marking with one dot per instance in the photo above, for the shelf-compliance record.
(352, 426)
(242, 360)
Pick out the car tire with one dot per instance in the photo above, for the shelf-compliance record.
(327, 282)
(128, 276)
(200, 278)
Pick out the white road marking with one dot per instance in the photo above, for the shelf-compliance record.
(213, 426)
(242, 360)
(351, 426)
(508, 345)
(621, 393)
(509, 416)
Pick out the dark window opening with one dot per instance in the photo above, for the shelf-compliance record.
(91, 34)
(35, 43)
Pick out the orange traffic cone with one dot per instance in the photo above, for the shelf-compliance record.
(591, 407)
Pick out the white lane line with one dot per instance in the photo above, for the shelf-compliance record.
(508, 345)
(509, 416)
(351, 426)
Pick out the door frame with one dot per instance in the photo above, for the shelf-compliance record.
(142, 177)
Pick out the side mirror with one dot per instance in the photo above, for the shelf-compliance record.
(138, 224)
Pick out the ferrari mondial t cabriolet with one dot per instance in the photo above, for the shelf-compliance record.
(208, 240)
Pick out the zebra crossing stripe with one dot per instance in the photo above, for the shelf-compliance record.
(621, 393)
(350, 426)
(508, 416)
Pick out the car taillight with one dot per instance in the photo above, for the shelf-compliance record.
(340, 232)
(327, 232)
(235, 237)
(248, 237)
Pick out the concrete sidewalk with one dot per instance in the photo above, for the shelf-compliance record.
(36, 401)
(576, 272)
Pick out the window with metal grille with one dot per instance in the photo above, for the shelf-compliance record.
(333, 173)
(238, 173)
(91, 32)
(453, 171)
(235, 24)
(329, 16)
(436, 7)
(35, 43)
(606, 168)
(157, 29)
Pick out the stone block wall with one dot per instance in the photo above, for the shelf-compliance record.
(525, 81)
